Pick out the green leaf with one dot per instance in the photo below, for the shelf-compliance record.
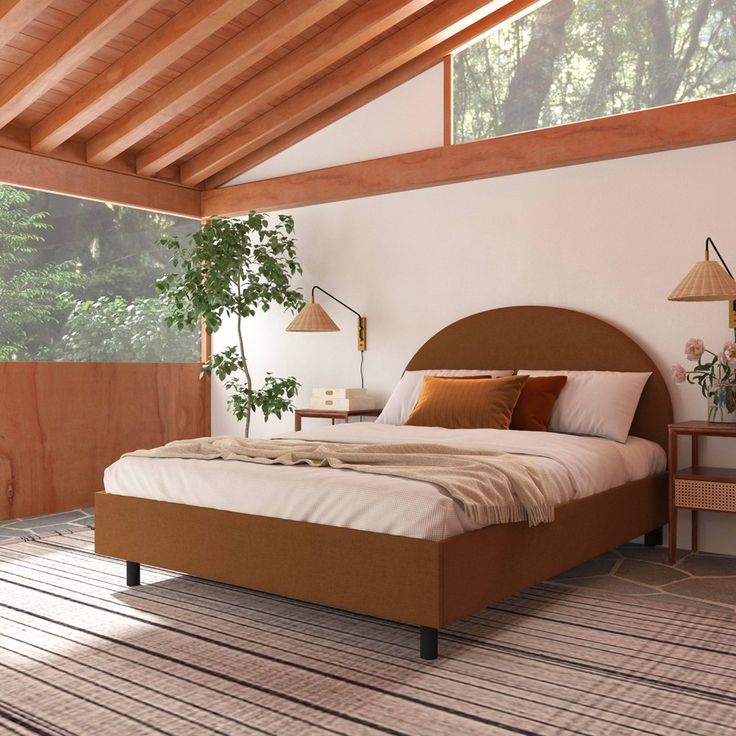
(236, 267)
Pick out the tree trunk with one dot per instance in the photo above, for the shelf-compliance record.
(702, 11)
(246, 370)
(699, 18)
(665, 73)
(248, 380)
(533, 76)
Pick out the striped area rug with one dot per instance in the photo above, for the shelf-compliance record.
(82, 654)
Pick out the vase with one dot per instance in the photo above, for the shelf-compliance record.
(722, 402)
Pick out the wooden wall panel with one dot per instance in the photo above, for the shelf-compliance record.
(61, 424)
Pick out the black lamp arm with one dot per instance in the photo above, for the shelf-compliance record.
(708, 243)
(732, 303)
(327, 293)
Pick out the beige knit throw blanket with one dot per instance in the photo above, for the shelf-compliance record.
(491, 487)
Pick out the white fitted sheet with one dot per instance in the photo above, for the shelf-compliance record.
(576, 466)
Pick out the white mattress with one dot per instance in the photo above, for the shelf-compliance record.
(577, 466)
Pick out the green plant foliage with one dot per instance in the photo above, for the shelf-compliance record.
(110, 328)
(33, 296)
(583, 59)
(235, 268)
(63, 258)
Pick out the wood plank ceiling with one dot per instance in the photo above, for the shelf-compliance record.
(195, 92)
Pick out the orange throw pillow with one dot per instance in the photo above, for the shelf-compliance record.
(536, 402)
(467, 403)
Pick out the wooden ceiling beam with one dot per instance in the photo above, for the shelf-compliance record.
(659, 129)
(191, 25)
(15, 15)
(255, 42)
(326, 48)
(507, 14)
(16, 137)
(37, 171)
(381, 59)
(86, 34)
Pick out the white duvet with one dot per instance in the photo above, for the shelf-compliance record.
(577, 467)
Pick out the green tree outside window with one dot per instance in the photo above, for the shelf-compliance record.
(78, 281)
(575, 60)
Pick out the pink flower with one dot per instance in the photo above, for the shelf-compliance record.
(678, 374)
(728, 356)
(694, 348)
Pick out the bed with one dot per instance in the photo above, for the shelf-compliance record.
(427, 579)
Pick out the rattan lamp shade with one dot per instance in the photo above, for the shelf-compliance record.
(706, 281)
(312, 318)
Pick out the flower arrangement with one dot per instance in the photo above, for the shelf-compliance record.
(715, 374)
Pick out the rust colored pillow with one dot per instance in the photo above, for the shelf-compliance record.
(536, 402)
(467, 403)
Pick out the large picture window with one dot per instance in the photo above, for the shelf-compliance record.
(78, 281)
(574, 60)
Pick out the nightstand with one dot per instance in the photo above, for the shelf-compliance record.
(698, 487)
(331, 414)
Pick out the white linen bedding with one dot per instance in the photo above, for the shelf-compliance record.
(577, 467)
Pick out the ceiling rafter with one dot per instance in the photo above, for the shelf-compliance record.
(381, 59)
(16, 137)
(251, 45)
(122, 89)
(98, 24)
(315, 55)
(186, 29)
(15, 15)
(506, 14)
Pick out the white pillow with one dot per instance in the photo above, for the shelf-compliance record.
(597, 403)
(406, 393)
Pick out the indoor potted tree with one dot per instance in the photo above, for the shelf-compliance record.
(235, 267)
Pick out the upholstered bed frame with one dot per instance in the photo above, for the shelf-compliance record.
(426, 583)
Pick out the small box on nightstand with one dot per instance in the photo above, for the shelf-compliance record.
(341, 399)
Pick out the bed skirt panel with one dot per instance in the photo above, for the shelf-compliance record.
(415, 581)
(490, 564)
(377, 574)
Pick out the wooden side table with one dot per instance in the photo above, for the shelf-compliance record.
(698, 487)
(299, 414)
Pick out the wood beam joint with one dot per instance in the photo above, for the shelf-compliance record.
(26, 168)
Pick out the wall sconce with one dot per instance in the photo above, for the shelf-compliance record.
(708, 281)
(313, 318)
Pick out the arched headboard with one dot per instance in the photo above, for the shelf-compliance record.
(549, 338)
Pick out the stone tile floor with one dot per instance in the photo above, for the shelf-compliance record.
(34, 527)
(632, 570)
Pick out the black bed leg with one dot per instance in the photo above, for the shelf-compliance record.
(654, 537)
(132, 573)
(427, 642)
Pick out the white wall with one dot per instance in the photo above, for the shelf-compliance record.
(408, 118)
(611, 239)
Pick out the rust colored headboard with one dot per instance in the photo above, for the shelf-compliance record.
(549, 338)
